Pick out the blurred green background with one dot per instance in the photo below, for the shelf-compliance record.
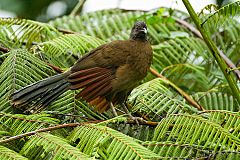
(37, 9)
(44, 10)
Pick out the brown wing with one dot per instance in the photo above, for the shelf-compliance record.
(109, 55)
(95, 84)
(94, 72)
(107, 70)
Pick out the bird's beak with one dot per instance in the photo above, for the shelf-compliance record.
(144, 30)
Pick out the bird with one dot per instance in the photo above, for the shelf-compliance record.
(105, 76)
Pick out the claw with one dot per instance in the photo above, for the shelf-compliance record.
(137, 120)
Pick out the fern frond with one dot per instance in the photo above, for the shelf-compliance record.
(68, 104)
(154, 99)
(217, 100)
(195, 130)
(18, 70)
(191, 77)
(28, 31)
(8, 154)
(172, 150)
(18, 123)
(180, 50)
(101, 141)
(105, 25)
(227, 119)
(140, 132)
(44, 145)
(175, 53)
(116, 24)
(64, 50)
(221, 16)
(227, 38)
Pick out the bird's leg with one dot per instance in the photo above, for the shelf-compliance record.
(113, 109)
(136, 119)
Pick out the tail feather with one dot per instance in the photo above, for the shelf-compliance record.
(56, 92)
(47, 89)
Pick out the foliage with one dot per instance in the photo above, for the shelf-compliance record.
(175, 128)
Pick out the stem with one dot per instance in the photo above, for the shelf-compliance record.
(4, 49)
(78, 8)
(234, 69)
(149, 123)
(179, 90)
(214, 50)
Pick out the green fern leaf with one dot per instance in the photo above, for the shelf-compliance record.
(101, 141)
(17, 124)
(221, 16)
(176, 151)
(28, 31)
(8, 154)
(227, 119)
(65, 50)
(44, 145)
(195, 130)
(156, 100)
(217, 100)
(18, 70)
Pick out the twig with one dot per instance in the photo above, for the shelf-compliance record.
(55, 68)
(78, 8)
(188, 26)
(148, 123)
(70, 115)
(64, 31)
(179, 90)
(4, 49)
(42, 130)
(67, 125)
(214, 50)
(230, 64)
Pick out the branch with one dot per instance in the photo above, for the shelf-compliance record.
(43, 130)
(64, 31)
(4, 49)
(68, 125)
(179, 90)
(198, 34)
(214, 50)
(55, 68)
(188, 26)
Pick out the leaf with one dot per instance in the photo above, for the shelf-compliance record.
(17, 123)
(217, 100)
(227, 119)
(8, 154)
(154, 99)
(27, 31)
(221, 16)
(172, 150)
(18, 70)
(44, 145)
(65, 50)
(195, 130)
(106, 142)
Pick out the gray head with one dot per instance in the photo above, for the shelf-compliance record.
(139, 31)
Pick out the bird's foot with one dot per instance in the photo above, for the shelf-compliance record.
(113, 110)
(137, 120)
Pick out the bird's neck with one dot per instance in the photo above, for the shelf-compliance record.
(142, 39)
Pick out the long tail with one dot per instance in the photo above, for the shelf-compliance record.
(42, 92)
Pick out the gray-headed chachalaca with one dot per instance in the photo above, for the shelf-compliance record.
(105, 75)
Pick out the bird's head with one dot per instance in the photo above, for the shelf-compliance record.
(139, 31)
